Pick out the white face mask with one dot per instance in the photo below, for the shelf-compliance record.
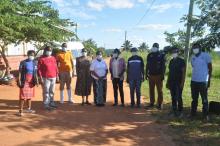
(48, 53)
(196, 51)
(115, 55)
(31, 57)
(154, 49)
(134, 53)
(64, 49)
(175, 55)
(84, 54)
(99, 57)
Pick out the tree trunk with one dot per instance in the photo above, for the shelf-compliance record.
(8, 68)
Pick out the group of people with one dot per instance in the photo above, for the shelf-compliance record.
(48, 69)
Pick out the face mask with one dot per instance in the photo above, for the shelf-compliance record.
(134, 53)
(31, 57)
(99, 57)
(64, 49)
(48, 53)
(175, 55)
(115, 55)
(84, 54)
(154, 49)
(196, 51)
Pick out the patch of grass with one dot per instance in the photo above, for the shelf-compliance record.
(185, 131)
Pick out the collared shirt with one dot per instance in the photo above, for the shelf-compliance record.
(99, 67)
(156, 63)
(200, 71)
(115, 68)
(64, 60)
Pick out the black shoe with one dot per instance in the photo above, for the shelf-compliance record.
(206, 118)
(138, 106)
(132, 105)
(122, 105)
(115, 104)
(150, 106)
(159, 107)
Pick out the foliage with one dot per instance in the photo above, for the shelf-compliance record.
(91, 46)
(127, 45)
(143, 47)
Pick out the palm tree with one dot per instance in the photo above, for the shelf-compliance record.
(143, 47)
(127, 45)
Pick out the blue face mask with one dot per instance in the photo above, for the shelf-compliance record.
(64, 49)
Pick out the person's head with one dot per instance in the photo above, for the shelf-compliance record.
(31, 54)
(175, 52)
(196, 48)
(155, 47)
(47, 51)
(116, 53)
(134, 51)
(64, 47)
(99, 55)
(84, 52)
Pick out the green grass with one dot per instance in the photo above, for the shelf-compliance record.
(185, 131)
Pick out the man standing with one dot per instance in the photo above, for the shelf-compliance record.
(155, 70)
(175, 82)
(135, 76)
(201, 77)
(65, 65)
(117, 68)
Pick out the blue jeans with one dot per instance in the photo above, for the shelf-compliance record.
(48, 90)
(135, 85)
(199, 88)
(176, 94)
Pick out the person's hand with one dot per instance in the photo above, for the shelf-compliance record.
(142, 79)
(167, 86)
(162, 77)
(127, 81)
(147, 77)
(57, 78)
(209, 83)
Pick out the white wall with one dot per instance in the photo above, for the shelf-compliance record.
(20, 49)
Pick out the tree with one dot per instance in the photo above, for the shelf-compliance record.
(91, 46)
(25, 21)
(143, 47)
(127, 45)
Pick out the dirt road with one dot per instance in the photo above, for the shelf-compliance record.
(78, 125)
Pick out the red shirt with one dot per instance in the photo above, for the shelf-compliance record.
(47, 67)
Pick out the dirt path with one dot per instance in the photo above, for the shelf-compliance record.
(78, 125)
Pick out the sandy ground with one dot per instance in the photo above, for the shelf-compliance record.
(76, 124)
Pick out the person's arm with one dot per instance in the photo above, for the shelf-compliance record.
(72, 61)
(123, 68)
(19, 74)
(106, 70)
(163, 67)
(210, 73)
(39, 70)
(147, 71)
(110, 68)
(142, 68)
(92, 70)
(183, 76)
(127, 79)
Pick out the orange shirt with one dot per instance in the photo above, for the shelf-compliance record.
(65, 60)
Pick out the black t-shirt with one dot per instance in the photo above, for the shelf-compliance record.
(176, 70)
(155, 63)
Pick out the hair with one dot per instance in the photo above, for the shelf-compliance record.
(156, 45)
(47, 48)
(196, 45)
(98, 52)
(64, 44)
(117, 51)
(29, 52)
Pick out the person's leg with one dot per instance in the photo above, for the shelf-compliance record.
(46, 86)
(195, 96)
(87, 100)
(132, 88)
(99, 91)
(159, 85)
(21, 106)
(115, 88)
(62, 84)
(121, 91)
(180, 99)
(173, 92)
(51, 91)
(138, 92)
(83, 98)
(68, 86)
(204, 96)
(94, 90)
(104, 90)
(152, 89)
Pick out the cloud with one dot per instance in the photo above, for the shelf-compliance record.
(154, 26)
(163, 7)
(95, 5)
(113, 30)
(92, 24)
(141, 1)
(119, 4)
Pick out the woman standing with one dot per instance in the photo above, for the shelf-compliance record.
(99, 72)
(83, 83)
(26, 81)
(48, 72)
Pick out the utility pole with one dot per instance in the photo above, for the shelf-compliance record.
(76, 31)
(188, 32)
(125, 40)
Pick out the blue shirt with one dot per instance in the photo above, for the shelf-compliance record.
(200, 71)
(29, 64)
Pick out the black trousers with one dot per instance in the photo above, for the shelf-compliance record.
(176, 94)
(118, 84)
(199, 88)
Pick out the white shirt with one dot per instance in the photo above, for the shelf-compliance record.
(115, 68)
(99, 67)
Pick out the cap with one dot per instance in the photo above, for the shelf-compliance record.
(116, 51)
(156, 45)
(134, 49)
